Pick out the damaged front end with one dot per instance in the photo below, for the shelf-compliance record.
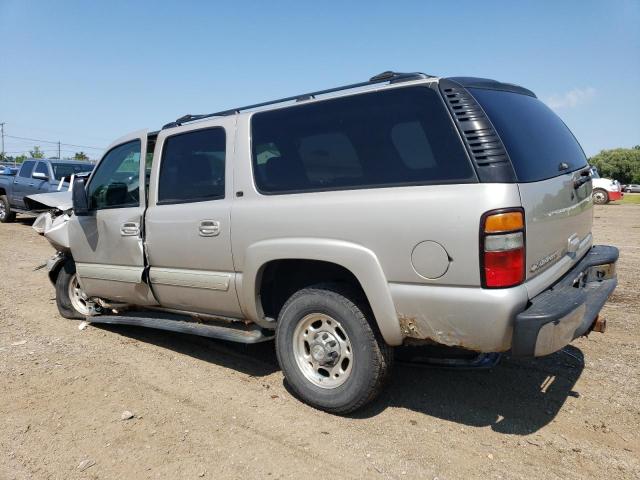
(52, 223)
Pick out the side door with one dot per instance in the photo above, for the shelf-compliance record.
(188, 222)
(106, 244)
(21, 183)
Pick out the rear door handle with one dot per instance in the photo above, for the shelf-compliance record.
(209, 228)
(130, 229)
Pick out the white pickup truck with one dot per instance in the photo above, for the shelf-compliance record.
(605, 190)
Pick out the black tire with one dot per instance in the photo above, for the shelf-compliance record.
(6, 215)
(600, 196)
(372, 357)
(65, 307)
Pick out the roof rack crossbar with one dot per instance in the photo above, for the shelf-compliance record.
(388, 76)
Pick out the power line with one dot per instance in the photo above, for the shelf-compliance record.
(52, 142)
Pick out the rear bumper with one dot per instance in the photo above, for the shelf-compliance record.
(569, 309)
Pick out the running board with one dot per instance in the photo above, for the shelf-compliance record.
(234, 331)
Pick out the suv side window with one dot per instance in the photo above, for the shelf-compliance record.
(42, 168)
(27, 169)
(400, 136)
(116, 181)
(192, 167)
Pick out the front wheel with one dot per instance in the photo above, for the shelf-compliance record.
(6, 215)
(70, 299)
(600, 196)
(332, 357)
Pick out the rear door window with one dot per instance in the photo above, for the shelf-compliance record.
(536, 139)
(42, 168)
(395, 137)
(192, 167)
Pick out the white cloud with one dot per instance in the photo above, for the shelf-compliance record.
(571, 99)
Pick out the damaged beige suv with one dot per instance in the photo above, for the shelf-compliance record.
(407, 209)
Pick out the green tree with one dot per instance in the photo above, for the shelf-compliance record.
(36, 152)
(20, 158)
(622, 164)
(80, 156)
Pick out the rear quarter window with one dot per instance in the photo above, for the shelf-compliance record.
(395, 137)
(536, 139)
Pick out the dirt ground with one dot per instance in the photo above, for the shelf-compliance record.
(209, 409)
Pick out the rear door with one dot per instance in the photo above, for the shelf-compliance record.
(553, 181)
(107, 244)
(188, 222)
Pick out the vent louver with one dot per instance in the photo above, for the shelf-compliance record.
(479, 135)
(481, 140)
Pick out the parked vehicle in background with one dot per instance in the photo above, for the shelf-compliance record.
(35, 176)
(6, 170)
(404, 210)
(605, 190)
(632, 188)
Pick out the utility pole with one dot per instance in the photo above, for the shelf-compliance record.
(59, 157)
(2, 135)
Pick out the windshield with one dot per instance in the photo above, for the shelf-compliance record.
(65, 170)
(537, 141)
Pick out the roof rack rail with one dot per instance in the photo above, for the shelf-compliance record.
(388, 76)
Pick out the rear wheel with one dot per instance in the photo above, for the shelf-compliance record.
(6, 215)
(600, 196)
(70, 299)
(332, 357)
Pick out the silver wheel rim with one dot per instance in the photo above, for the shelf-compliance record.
(323, 350)
(77, 296)
(3, 210)
(599, 197)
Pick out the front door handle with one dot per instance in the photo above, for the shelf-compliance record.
(209, 228)
(130, 229)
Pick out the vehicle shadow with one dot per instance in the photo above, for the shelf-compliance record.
(516, 397)
(28, 221)
(257, 360)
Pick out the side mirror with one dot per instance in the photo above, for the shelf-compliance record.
(40, 176)
(79, 197)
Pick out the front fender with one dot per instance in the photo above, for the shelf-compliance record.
(359, 260)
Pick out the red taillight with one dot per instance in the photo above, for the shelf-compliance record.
(504, 269)
(502, 248)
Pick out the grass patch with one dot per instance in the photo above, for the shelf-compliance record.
(633, 198)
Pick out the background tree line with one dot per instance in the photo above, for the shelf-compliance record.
(36, 152)
(622, 164)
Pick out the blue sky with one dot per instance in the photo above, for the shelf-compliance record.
(86, 72)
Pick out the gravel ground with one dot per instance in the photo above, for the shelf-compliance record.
(206, 409)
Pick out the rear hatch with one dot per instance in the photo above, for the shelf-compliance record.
(552, 175)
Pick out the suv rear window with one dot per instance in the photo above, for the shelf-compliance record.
(535, 138)
(395, 137)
